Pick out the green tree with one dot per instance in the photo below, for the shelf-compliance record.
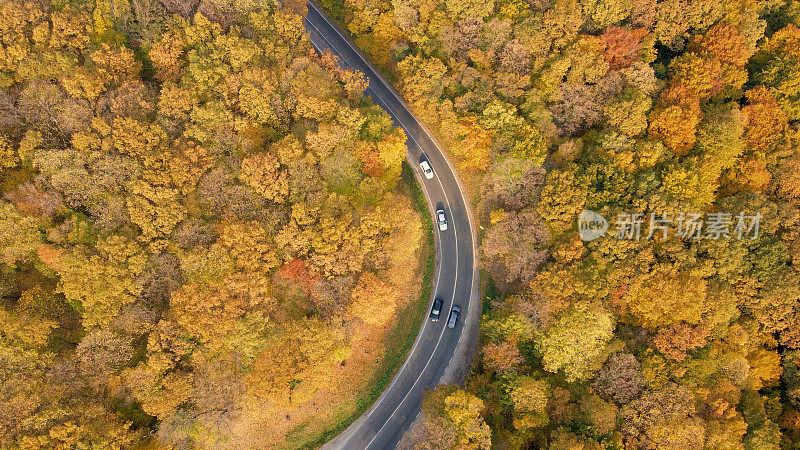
(576, 342)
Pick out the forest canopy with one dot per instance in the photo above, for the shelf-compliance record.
(554, 107)
(197, 213)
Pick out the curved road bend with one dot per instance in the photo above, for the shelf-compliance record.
(439, 353)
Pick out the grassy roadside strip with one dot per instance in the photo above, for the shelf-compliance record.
(401, 338)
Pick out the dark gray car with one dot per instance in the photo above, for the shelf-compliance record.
(451, 321)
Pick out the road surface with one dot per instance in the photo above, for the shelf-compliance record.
(439, 354)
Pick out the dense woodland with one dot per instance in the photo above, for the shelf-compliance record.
(198, 214)
(551, 107)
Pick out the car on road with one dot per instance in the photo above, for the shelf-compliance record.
(436, 309)
(426, 168)
(451, 321)
(442, 219)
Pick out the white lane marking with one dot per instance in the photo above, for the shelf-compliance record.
(455, 284)
(452, 171)
(430, 136)
(422, 372)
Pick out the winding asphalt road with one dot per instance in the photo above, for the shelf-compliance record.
(439, 354)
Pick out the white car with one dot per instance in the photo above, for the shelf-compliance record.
(442, 220)
(426, 169)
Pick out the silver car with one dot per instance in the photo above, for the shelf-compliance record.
(451, 321)
(442, 219)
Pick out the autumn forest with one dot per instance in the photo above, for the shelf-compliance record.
(196, 212)
(553, 107)
(206, 234)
